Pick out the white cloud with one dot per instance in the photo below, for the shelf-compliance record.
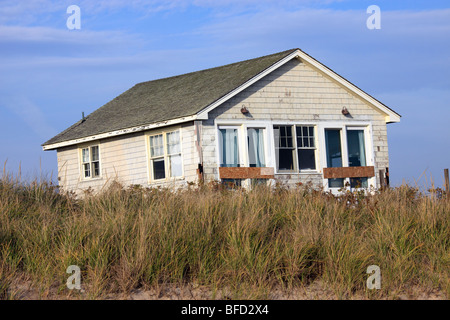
(30, 114)
(46, 34)
(30, 11)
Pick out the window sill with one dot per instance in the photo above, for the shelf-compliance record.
(91, 179)
(305, 173)
(164, 181)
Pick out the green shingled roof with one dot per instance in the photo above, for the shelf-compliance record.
(168, 98)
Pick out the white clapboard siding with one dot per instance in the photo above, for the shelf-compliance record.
(123, 159)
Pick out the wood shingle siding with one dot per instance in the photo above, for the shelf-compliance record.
(290, 93)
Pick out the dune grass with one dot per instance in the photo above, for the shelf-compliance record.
(247, 241)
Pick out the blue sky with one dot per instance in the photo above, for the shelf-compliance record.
(50, 74)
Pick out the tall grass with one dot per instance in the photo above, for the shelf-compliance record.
(247, 241)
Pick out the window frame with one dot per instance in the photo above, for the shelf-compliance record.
(82, 163)
(165, 156)
(242, 128)
(296, 159)
(266, 145)
(368, 141)
(242, 156)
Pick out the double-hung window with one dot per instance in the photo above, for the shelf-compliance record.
(284, 148)
(165, 155)
(295, 148)
(306, 148)
(90, 162)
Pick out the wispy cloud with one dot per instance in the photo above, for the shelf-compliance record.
(46, 34)
(30, 11)
(30, 114)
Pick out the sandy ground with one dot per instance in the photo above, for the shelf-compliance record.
(315, 291)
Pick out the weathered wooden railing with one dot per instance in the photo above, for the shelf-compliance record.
(348, 172)
(246, 173)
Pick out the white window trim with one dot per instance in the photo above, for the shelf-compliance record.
(247, 126)
(344, 126)
(297, 170)
(80, 161)
(242, 127)
(320, 151)
(269, 142)
(165, 156)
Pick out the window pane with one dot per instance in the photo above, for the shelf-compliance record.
(156, 145)
(305, 131)
(334, 156)
(356, 148)
(94, 151)
(255, 139)
(85, 154)
(159, 171)
(87, 170)
(229, 148)
(285, 159)
(306, 142)
(336, 183)
(175, 166)
(307, 159)
(290, 143)
(359, 183)
(95, 169)
(173, 142)
(333, 147)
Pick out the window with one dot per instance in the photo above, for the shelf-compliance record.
(356, 155)
(353, 154)
(90, 162)
(297, 154)
(165, 155)
(334, 154)
(284, 148)
(255, 142)
(229, 147)
(306, 147)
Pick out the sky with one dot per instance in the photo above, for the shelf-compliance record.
(50, 74)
